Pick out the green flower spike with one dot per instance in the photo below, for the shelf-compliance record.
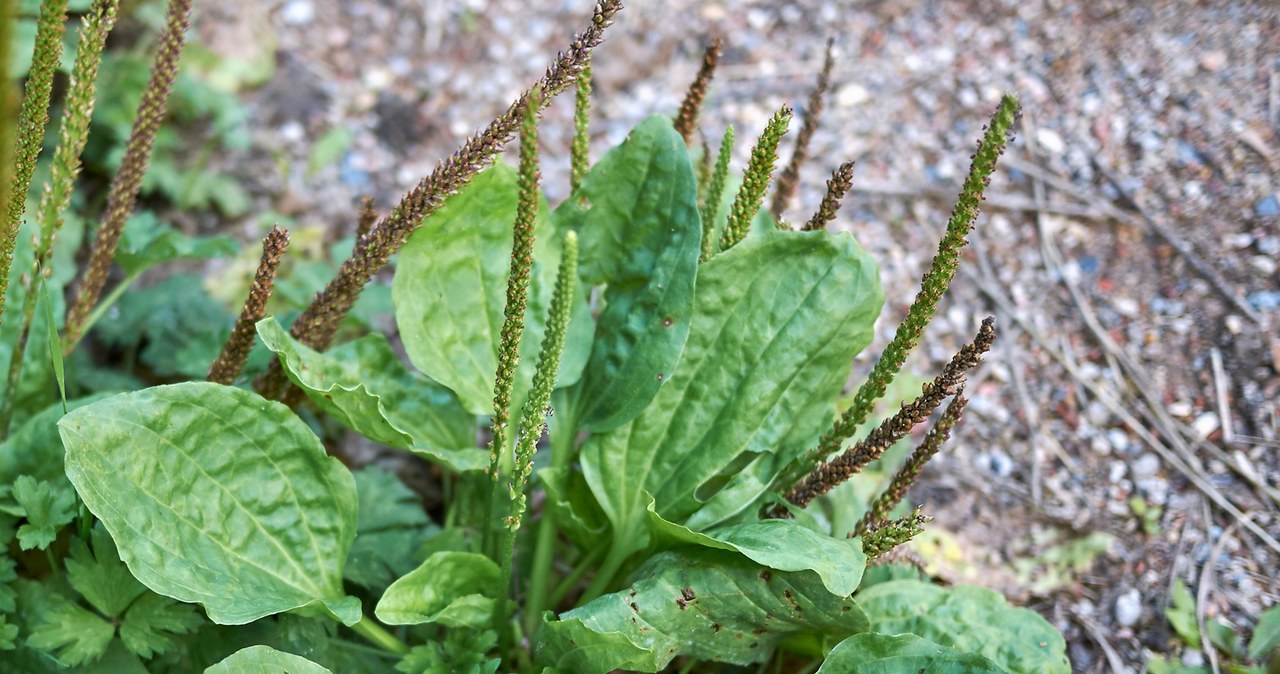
(711, 208)
(756, 180)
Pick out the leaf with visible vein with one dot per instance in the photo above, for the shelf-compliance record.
(364, 386)
(455, 589)
(100, 577)
(780, 544)
(265, 660)
(872, 653)
(780, 317)
(216, 496)
(450, 289)
(152, 621)
(706, 604)
(47, 509)
(970, 620)
(73, 634)
(637, 217)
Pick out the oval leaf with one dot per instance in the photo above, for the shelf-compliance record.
(970, 620)
(218, 497)
(363, 385)
(450, 291)
(872, 653)
(636, 215)
(706, 604)
(778, 320)
(454, 589)
(265, 660)
(781, 545)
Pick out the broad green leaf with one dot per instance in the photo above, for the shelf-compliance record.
(872, 653)
(100, 577)
(218, 497)
(706, 604)
(265, 660)
(390, 528)
(970, 620)
(1266, 636)
(151, 623)
(636, 215)
(450, 289)
(363, 385)
(778, 320)
(47, 509)
(145, 242)
(455, 589)
(779, 544)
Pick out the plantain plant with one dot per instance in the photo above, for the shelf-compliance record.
(628, 399)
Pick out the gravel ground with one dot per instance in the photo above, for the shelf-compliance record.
(1129, 247)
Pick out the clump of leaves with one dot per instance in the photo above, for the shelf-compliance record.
(683, 361)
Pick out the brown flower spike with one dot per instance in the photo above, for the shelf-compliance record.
(234, 353)
(789, 179)
(837, 186)
(828, 475)
(691, 107)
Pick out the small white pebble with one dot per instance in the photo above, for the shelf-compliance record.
(298, 12)
(1129, 608)
(1205, 424)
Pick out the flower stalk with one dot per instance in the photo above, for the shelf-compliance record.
(691, 107)
(756, 180)
(906, 476)
(837, 186)
(235, 352)
(933, 285)
(789, 179)
(578, 159)
(715, 193)
(123, 193)
(33, 116)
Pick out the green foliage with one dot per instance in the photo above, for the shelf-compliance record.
(970, 620)
(46, 508)
(1181, 613)
(707, 604)
(161, 466)
(455, 589)
(265, 660)
(871, 653)
(694, 387)
(1266, 635)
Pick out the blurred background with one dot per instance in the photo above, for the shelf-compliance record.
(1118, 467)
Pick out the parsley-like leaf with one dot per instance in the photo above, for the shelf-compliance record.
(462, 652)
(47, 510)
(390, 527)
(7, 604)
(152, 621)
(71, 633)
(100, 577)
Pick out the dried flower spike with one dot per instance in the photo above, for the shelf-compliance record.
(32, 118)
(789, 179)
(365, 217)
(687, 119)
(756, 180)
(231, 361)
(137, 154)
(906, 476)
(837, 186)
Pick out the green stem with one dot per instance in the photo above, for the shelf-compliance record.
(379, 637)
(566, 585)
(604, 579)
(98, 311)
(563, 433)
